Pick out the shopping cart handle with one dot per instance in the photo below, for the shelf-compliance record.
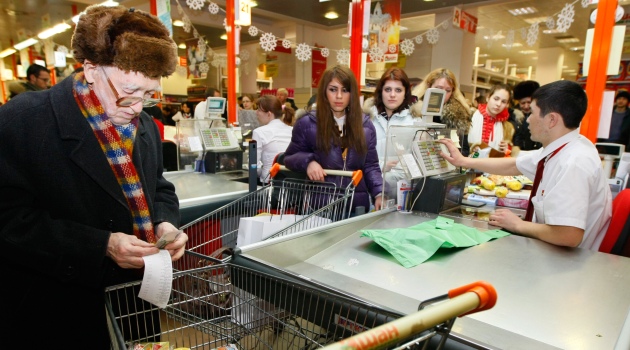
(484, 290)
(356, 175)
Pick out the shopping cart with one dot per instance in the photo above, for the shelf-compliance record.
(300, 205)
(266, 311)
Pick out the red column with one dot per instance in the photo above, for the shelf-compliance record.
(231, 61)
(596, 81)
(356, 39)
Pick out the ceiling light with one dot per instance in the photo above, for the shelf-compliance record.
(178, 23)
(523, 11)
(401, 28)
(527, 52)
(568, 40)
(109, 3)
(75, 19)
(483, 55)
(533, 20)
(577, 48)
(59, 28)
(494, 37)
(331, 15)
(253, 4)
(24, 44)
(429, 0)
(182, 46)
(513, 45)
(224, 36)
(551, 31)
(7, 52)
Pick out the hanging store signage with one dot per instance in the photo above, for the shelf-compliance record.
(464, 20)
(384, 32)
(318, 66)
(243, 13)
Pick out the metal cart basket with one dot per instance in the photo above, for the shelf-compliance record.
(232, 307)
(299, 204)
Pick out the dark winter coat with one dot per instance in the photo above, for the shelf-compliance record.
(302, 150)
(59, 202)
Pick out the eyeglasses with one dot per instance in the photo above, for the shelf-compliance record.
(129, 101)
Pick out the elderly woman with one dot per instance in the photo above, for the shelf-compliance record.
(338, 137)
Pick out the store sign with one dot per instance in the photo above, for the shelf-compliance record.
(243, 13)
(464, 20)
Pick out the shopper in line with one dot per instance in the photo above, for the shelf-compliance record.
(390, 106)
(338, 136)
(84, 199)
(571, 203)
(185, 112)
(523, 92)
(283, 95)
(620, 121)
(456, 112)
(37, 78)
(490, 125)
(274, 134)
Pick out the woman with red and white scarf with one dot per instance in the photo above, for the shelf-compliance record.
(490, 125)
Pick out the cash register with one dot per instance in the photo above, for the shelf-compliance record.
(434, 185)
(222, 151)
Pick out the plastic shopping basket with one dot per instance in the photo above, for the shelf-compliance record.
(272, 312)
(307, 203)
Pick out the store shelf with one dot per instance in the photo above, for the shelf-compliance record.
(485, 78)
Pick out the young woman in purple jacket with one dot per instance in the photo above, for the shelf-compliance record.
(338, 136)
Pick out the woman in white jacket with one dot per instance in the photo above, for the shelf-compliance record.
(389, 106)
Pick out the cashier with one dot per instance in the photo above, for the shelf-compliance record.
(571, 203)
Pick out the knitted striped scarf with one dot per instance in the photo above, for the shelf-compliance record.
(117, 145)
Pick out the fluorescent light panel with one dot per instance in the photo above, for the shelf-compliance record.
(523, 11)
(24, 44)
(7, 52)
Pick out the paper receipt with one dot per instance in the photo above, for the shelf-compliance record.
(158, 279)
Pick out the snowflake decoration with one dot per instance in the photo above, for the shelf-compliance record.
(180, 10)
(209, 52)
(286, 44)
(325, 52)
(433, 36)
(195, 33)
(376, 54)
(204, 67)
(181, 70)
(225, 25)
(253, 31)
(268, 42)
(489, 40)
(195, 4)
(213, 8)
(418, 39)
(62, 48)
(391, 48)
(407, 47)
(244, 55)
(585, 3)
(532, 34)
(201, 44)
(343, 57)
(187, 24)
(550, 22)
(445, 25)
(303, 52)
(509, 39)
(565, 18)
(524, 33)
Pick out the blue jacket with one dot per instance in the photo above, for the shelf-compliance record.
(302, 150)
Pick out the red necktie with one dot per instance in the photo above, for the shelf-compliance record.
(529, 214)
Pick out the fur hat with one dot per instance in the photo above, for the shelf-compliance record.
(131, 40)
(525, 89)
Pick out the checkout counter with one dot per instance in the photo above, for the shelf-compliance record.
(549, 297)
(212, 167)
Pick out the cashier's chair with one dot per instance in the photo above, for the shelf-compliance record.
(617, 239)
(169, 155)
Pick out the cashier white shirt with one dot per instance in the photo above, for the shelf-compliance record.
(272, 139)
(574, 190)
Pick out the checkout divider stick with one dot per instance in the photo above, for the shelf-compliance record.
(252, 166)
